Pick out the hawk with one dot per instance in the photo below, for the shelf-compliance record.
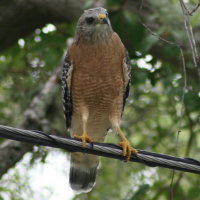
(95, 79)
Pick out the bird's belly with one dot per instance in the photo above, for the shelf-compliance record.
(96, 94)
(97, 91)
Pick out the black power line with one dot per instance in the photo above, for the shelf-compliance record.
(101, 149)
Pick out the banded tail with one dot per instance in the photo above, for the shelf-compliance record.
(83, 171)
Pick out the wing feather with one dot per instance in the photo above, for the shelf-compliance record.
(66, 87)
(127, 78)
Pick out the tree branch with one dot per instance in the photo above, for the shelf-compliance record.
(12, 151)
(20, 18)
(189, 145)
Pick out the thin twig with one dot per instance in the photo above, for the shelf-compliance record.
(196, 60)
(184, 75)
(161, 38)
(183, 93)
(195, 56)
(189, 144)
(193, 11)
(190, 35)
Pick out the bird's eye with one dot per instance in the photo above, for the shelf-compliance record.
(89, 20)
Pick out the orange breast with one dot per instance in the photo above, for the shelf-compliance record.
(97, 80)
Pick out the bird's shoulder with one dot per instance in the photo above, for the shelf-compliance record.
(71, 50)
(118, 42)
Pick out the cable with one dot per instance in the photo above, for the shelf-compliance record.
(102, 149)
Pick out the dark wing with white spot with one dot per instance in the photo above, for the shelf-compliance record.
(127, 78)
(66, 87)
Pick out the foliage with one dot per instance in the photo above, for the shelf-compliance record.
(153, 115)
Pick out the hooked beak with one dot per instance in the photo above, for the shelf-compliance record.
(102, 18)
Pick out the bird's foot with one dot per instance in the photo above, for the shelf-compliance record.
(127, 149)
(84, 138)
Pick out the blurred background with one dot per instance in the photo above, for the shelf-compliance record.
(164, 100)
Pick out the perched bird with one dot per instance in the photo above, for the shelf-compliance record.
(96, 78)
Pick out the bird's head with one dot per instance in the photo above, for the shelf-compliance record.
(93, 25)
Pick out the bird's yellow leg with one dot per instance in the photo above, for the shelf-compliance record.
(126, 147)
(84, 137)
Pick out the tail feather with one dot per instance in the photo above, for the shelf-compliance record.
(83, 175)
(82, 179)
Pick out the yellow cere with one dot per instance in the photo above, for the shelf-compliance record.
(102, 16)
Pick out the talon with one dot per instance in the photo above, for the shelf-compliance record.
(85, 138)
(127, 149)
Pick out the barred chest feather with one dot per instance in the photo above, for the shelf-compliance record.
(97, 76)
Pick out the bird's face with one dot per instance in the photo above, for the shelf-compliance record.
(94, 24)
